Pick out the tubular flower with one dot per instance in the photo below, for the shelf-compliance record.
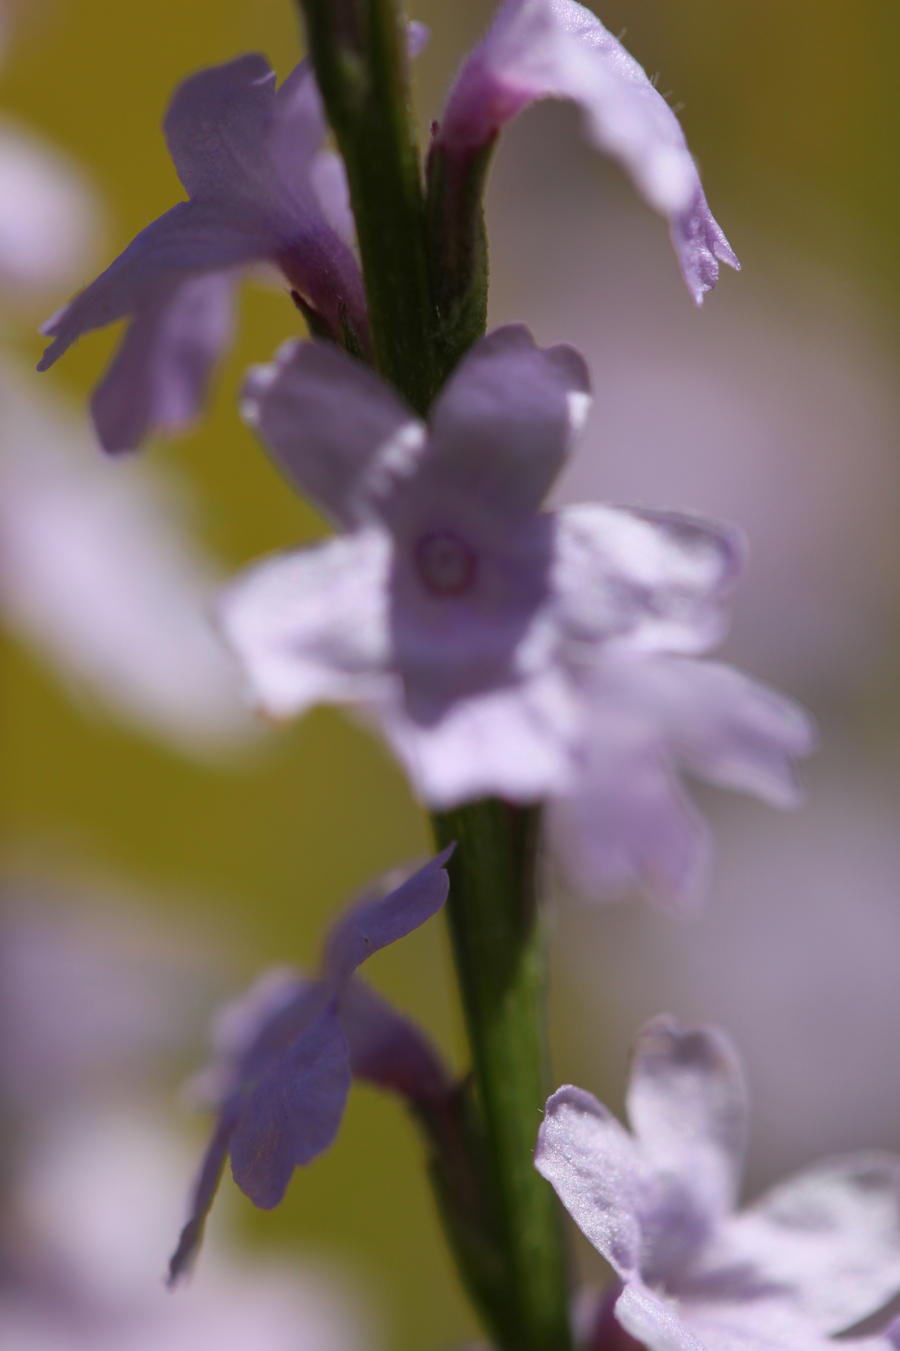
(537, 49)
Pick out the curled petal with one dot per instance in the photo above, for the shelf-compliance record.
(540, 49)
(293, 1113)
(592, 1164)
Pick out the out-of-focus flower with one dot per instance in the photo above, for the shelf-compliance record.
(540, 49)
(99, 575)
(92, 994)
(501, 649)
(814, 1257)
(92, 1203)
(38, 190)
(286, 1054)
(259, 190)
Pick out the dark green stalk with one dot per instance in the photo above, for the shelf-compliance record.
(498, 945)
(358, 48)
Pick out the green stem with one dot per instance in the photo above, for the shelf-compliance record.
(426, 285)
(498, 946)
(358, 48)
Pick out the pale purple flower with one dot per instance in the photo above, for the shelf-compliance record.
(38, 189)
(91, 1204)
(285, 1055)
(811, 1258)
(539, 49)
(100, 575)
(500, 649)
(250, 159)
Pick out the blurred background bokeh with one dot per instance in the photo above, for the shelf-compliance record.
(159, 849)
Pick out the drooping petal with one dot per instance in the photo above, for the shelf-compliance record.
(687, 1104)
(375, 923)
(159, 376)
(204, 1193)
(828, 1239)
(539, 49)
(336, 430)
(593, 1166)
(313, 626)
(652, 580)
(504, 423)
(293, 1112)
(627, 822)
(189, 240)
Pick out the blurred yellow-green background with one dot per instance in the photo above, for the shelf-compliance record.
(774, 405)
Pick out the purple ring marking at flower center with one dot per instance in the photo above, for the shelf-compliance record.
(446, 564)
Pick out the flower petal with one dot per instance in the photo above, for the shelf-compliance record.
(204, 1193)
(389, 1050)
(312, 626)
(375, 923)
(687, 1104)
(189, 240)
(293, 1113)
(829, 1238)
(654, 580)
(628, 822)
(512, 742)
(539, 49)
(592, 1164)
(159, 376)
(657, 1324)
(724, 726)
(503, 424)
(335, 429)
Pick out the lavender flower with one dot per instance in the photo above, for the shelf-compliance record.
(502, 650)
(100, 576)
(287, 1051)
(811, 1258)
(259, 190)
(38, 189)
(539, 49)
